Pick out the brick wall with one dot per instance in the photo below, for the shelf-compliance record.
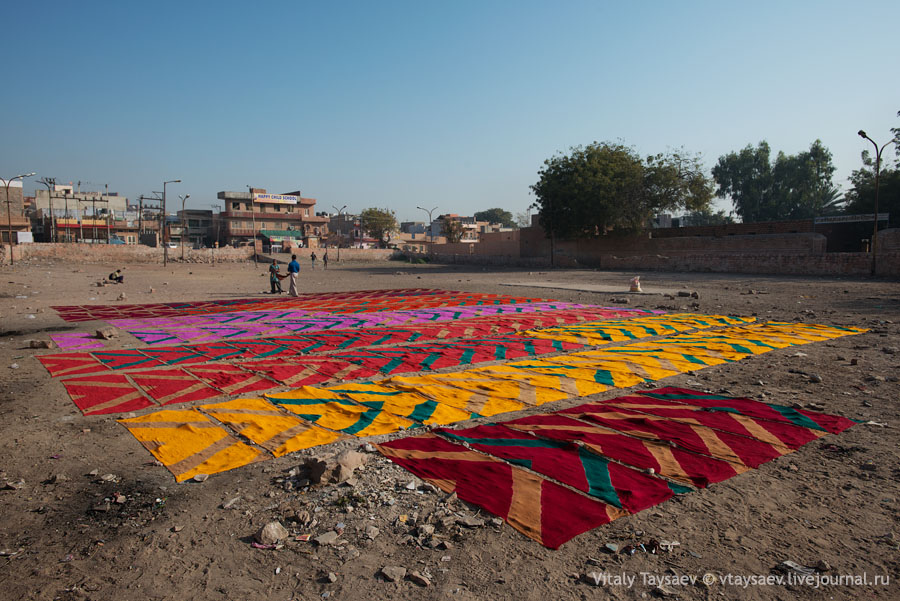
(123, 254)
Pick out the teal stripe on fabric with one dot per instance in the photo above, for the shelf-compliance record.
(596, 471)
(309, 401)
(604, 376)
(379, 405)
(466, 358)
(797, 418)
(423, 411)
(391, 365)
(694, 359)
(364, 421)
(312, 417)
(499, 352)
(431, 358)
(678, 489)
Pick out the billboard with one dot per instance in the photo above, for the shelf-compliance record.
(277, 199)
(852, 218)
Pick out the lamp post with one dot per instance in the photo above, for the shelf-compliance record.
(183, 198)
(253, 221)
(430, 227)
(878, 152)
(50, 182)
(165, 232)
(9, 213)
(341, 231)
(218, 223)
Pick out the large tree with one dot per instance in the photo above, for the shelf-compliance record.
(452, 229)
(496, 215)
(380, 223)
(793, 187)
(607, 186)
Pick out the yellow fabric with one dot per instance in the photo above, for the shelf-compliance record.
(443, 391)
(597, 333)
(330, 410)
(401, 402)
(188, 443)
(268, 426)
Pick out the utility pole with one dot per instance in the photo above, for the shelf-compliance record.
(430, 227)
(8, 213)
(878, 152)
(50, 182)
(165, 231)
(341, 231)
(253, 217)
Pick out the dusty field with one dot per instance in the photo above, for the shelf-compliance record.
(834, 501)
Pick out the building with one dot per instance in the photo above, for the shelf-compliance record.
(412, 227)
(12, 211)
(63, 199)
(280, 219)
(200, 230)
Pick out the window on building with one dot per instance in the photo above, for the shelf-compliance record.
(235, 206)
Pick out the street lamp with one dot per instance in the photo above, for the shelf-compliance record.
(50, 182)
(183, 198)
(8, 212)
(430, 226)
(878, 152)
(218, 223)
(253, 220)
(341, 231)
(165, 232)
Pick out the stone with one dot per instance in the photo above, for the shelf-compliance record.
(664, 591)
(200, 478)
(418, 578)
(271, 534)
(684, 293)
(393, 573)
(890, 350)
(41, 344)
(470, 521)
(121, 296)
(593, 578)
(496, 522)
(328, 538)
(371, 532)
(815, 378)
(105, 333)
(426, 530)
(57, 478)
(329, 577)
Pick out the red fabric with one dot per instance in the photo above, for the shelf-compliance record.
(70, 364)
(231, 379)
(628, 488)
(542, 510)
(307, 371)
(745, 451)
(168, 386)
(834, 424)
(105, 393)
(691, 468)
(788, 435)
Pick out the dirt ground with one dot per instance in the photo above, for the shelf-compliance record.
(834, 503)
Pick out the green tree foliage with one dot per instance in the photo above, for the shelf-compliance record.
(497, 215)
(706, 216)
(380, 223)
(452, 229)
(606, 186)
(793, 187)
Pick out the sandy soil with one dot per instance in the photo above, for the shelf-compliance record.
(835, 501)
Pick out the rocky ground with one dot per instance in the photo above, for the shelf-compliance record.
(87, 514)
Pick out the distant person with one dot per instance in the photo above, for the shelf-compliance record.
(275, 277)
(294, 272)
(312, 257)
(117, 276)
(325, 260)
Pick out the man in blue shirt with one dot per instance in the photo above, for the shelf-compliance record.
(293, 271)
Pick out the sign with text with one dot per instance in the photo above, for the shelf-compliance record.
(277, 199)
(852, 218)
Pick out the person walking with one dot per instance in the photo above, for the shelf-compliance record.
(325, 260)
(312, 257)
(294, 272)
(275, 277)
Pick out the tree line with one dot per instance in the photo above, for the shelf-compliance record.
(607, 187)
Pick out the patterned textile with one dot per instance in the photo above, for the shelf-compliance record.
(538, 508)
(331, 410)
(188, 443)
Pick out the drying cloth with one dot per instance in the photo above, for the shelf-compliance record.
(266, 425)
(76, 340)
(71, 364)
(833, 424)
(188, 443)
(440, 389)
(168, 386)
(738, 450)
(401, 402)
(105, 393)
(302, 371)
(602, 332)
(331, 410)
(610, 482)
(774, 433)
(538, 508)
(126, 359)
(231, 379)
(661, 457)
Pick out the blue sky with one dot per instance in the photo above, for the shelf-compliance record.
(451, 104)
